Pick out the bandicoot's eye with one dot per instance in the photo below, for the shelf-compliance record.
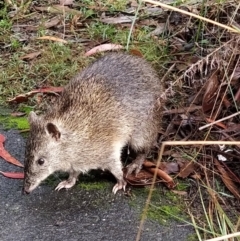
(40, 161)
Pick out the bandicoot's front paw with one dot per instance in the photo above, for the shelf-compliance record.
(65, 184)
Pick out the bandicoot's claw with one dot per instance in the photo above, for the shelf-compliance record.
(65, 184)
(119, 185)
(133, 167)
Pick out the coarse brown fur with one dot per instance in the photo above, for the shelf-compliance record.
(113, 102)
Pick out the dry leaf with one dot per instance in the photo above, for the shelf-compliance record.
(66, 2)
(151, 167)
(53, 39)
(5, 155)
(210, 94)
(186, 168)
(18, 114)
(180, 193)
(14, 175)
(237, 95)
(136, 52)
(58, 9)
(161, 27)
(24, 97)
(103, 48)
(196, 176)
(52, 22)
(117, 20)
(227, 180)
(143, 178)
(232, 127)
(220, 124)
(31, 55)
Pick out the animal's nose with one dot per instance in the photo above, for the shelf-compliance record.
(25, 189)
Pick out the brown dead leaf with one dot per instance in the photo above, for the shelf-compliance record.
(151, 167)
(49, 24)
(31, 55)
(232, 127)
(161, 28)
(180, 193)
(220, 124)
(237, 95)
(136, 52)
(58, 9)
(66, 2)
(52, 22)
(24, 97)
(117, 20)
(196, 176)
(103, 48)
(18, 114)
(186, 168)
(53, 39)
(227, 180)
(5, 155)
(168, 167)
(14, 175)
(210, 94)
(236, 74)
(143, 178)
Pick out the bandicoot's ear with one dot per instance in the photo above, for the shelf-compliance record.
(53, 131)
(33, 118)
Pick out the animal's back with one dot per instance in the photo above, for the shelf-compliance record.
(117, 90)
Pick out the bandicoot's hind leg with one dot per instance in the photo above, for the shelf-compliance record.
(118, 174)
(136, 165)
(141, 142)
(116, 166)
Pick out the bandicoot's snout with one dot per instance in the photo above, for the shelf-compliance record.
(25, 190)
(26, 187)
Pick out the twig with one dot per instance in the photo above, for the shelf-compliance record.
(232, 235)
(217, 121)
(192, 15)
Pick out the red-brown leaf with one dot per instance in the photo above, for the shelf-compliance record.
(31, 55)
(5, 155)
(210, 94)
(103, 48)
(14, 175)
(24, 97)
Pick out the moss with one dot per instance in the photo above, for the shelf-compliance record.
(88, 181)
(164, 207)
(183, 185)
(93, 185)
(25, 109)
(163, 213)
(9, 122)
(192, 237)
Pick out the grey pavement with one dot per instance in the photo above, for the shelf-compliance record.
(74, 215)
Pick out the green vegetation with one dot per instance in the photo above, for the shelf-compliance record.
(164, 206)
(19, 123)
(98, 185)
